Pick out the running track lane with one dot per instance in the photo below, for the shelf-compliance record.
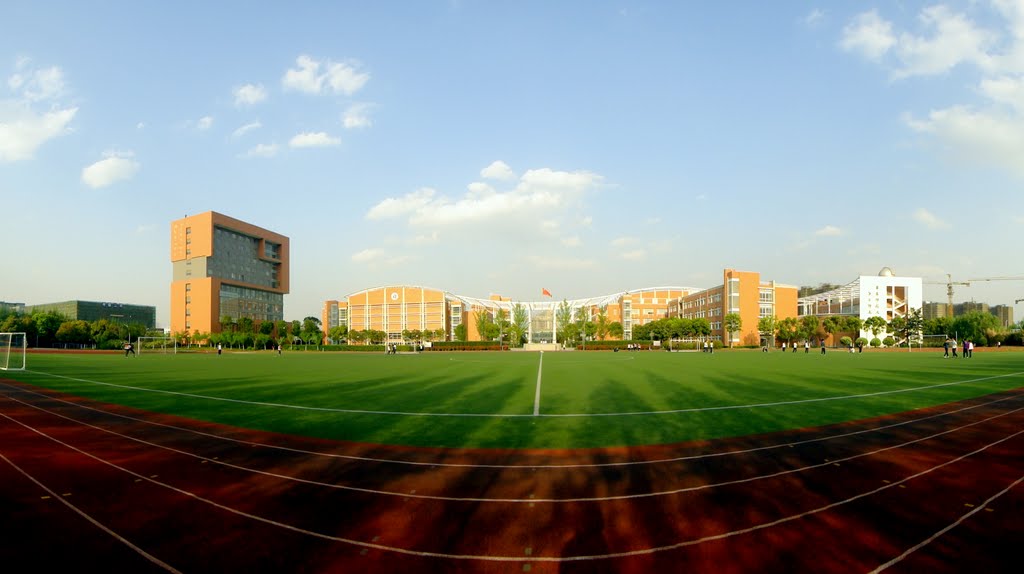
(845, 533)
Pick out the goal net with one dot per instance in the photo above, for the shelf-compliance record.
(13, 349)
(165, 345)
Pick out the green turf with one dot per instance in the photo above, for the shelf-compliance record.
(621, 398)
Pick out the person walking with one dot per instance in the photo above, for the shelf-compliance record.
(807, 346)
(219, 349)
(952, 346)
(945, 348)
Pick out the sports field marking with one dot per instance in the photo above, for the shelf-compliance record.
(953, 525)
(63, 500)
(546, 415)
(531, 499)
(536, 395)
(519, 558)
(541, 466)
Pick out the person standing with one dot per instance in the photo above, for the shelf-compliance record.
(967, 349)
(952, 346)
(807, 346)
(822, 346)
(945, 348)
(219, 349)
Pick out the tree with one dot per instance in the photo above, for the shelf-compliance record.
(789, 329)
(701, 327)
(460, 332)
(809, 326)
(583, 325)
(766, 327)
(832, 325)
(563, 317)
(732, 323)
(483, 323)
(227, 324)
(602, 322)
(338, 333)
(246, 325)
(74, 332)
(615, 330)
(47, 324)
(853, 324)
(875, 325)
(520, 325)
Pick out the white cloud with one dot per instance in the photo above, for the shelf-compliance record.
(246, 129)
(869, 35)
(929, 219)
(815, 18)
(314, 139)
(261, 150)
(498, 170)
(37, 85)
(983, 137)
(829, 231)
(204, 123)
(23, 130)
(1005, 90)
(313, 77)
(367, 255)
(624, 241)
(955, 40)
(397, 207)
(117, 166)
(573, 241)
(586, 221)
(357, 116)
(378, 257)
(538, 196)
(140, 126)
(559, 263)
(634, 255)
(249, 94)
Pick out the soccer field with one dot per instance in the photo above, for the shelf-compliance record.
(526, 400)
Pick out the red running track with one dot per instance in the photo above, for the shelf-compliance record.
(88, 486)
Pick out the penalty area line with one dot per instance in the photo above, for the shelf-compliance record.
(536, 394)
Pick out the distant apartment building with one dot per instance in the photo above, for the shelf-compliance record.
(12, 307)
(743, 293)
(1004, 313)
(225, 267)
(96, 310)
(935, 310)
(970, 306)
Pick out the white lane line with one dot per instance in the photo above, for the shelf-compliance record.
(530, 500)
(547, 415)
(499, 558)
(932, 538)
(96, 523)
(536, 395)
(503, 466)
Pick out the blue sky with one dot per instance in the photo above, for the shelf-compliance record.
(485, 147)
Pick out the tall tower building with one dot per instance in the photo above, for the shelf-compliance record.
(225, 267)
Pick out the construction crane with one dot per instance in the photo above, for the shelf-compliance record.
(949, 287)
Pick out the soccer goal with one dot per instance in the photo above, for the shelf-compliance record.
(13, 350)
(165, 345)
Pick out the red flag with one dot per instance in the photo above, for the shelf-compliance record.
(545, 292)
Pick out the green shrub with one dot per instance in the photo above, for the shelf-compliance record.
(888, 342)
(861, 342)
(846, 341)
(876, 342)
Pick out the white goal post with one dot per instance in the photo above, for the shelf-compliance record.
(13, 350)
(165, 345)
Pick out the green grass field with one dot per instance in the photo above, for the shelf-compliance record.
(488, 399)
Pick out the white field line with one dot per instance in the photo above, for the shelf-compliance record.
(549, 415)
(92, 520)
(536, 395)
(471, 465)
(956, 523)
(683, 490)
(519, 558)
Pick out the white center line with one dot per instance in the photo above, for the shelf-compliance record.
(536, 396)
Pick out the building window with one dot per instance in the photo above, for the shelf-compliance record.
(188, 287)
(188, 231)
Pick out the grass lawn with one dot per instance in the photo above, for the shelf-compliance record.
(488, 399)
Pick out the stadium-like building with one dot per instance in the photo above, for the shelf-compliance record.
(395, 309)
(885, 295)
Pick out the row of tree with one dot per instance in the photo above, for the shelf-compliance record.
(51, 329)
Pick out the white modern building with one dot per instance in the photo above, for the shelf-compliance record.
(885, 295)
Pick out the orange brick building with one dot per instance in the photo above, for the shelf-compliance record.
(225, 267)
(741, 292)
